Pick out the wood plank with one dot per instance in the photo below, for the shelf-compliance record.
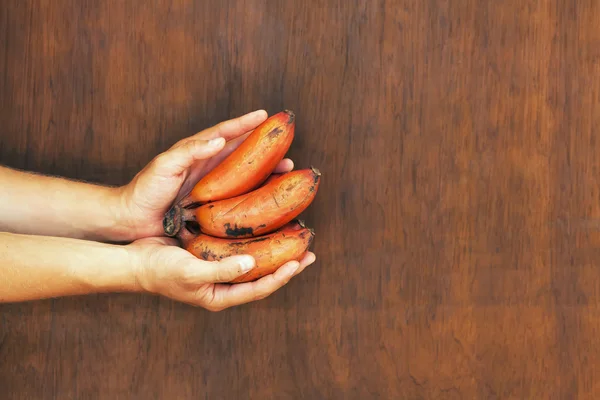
(457, 223)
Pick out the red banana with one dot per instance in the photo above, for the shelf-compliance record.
(259, 212)
(269, 251)
(248, 165)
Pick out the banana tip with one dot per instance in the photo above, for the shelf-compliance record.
(315, 171)
(291, 116)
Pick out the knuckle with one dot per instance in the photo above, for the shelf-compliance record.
(193, 145)
(219, 276)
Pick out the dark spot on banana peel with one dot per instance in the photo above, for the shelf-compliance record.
(236, 244)
(236, 231)
(262, 239)
(261, 226)
(208, 255)
(310, 232)
(275, 132)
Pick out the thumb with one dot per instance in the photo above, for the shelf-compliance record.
(224, 270)
(180, 158)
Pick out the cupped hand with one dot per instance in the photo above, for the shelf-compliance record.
(172, 175)
(165, 269)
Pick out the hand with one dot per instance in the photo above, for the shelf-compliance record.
(168, 270)
(172, 174)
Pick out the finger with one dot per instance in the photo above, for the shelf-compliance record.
(224, 270)
(308, 259)
(180, 158)
(231, 295)
(285, 165)
(233, 128)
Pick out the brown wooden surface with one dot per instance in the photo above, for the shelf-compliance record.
(458, 223)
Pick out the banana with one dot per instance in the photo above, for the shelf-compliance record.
(270, 251)
(248, 165)
(259, 212)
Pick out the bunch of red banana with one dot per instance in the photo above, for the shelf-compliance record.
(242, 207)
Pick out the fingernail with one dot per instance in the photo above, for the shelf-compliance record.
(215, 142)
(246, 263)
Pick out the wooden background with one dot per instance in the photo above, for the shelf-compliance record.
(458, 223)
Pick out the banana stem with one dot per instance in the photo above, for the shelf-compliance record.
(172, 221)
(175, 220)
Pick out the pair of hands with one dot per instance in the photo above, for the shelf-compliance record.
(168, 270)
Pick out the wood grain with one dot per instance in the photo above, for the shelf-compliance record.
(458, 220)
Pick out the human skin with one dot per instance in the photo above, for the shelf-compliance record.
(61, 237)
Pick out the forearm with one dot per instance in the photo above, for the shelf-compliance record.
(37, 267)
(45, 205)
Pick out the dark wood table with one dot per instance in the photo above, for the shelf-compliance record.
(458, 221)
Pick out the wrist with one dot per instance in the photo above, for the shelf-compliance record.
(131, 222)
(116, 271)
(123, 226)
(138, 261)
